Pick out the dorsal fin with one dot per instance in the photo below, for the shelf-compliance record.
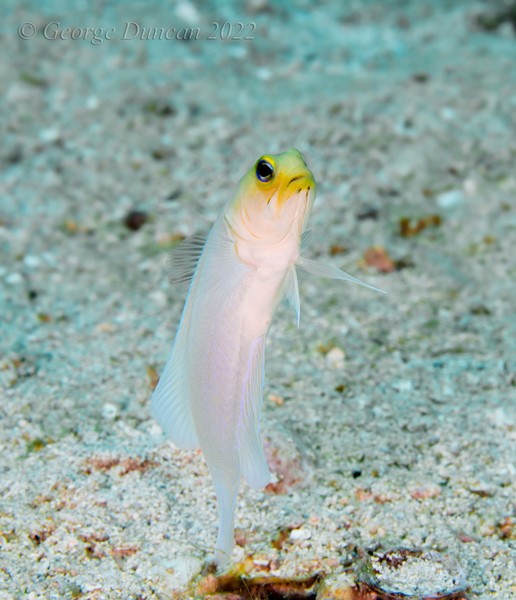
(184, 258)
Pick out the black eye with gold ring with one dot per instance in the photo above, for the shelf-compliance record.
(264, 170)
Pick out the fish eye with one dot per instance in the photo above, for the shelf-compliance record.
(264, 170)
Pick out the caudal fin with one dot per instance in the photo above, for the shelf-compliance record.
(227, 490)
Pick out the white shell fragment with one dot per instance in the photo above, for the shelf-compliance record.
(412, 575)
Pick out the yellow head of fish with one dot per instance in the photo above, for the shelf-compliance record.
(273, 199)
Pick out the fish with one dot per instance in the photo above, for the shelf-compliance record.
(210, 392)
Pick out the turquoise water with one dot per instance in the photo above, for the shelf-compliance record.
(389, 421)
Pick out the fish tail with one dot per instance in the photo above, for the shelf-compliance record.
(226, 488)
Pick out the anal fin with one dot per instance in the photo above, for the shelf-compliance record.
(252, 457)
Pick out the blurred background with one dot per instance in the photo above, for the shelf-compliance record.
(124, 128)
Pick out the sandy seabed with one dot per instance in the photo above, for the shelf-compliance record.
(389, 420)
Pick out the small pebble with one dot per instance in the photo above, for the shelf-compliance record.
(187, 12)
(135, 219)
(92, 102)
(31, 261)
(263, 73)
(13, 279)
(15, 155)
(105, 327)
(49, 135)
(448, 114)
(261, 562)
(109, 411)
(403, 385)
(413, 574)
(470, 186)
(336, 358)
(450, 199)
(424, 493)
(185, 567)
(300, 534)
(378, 257)
(258, 6)
(277, 400)
(238, 51)
(174, 195)
(159, 298)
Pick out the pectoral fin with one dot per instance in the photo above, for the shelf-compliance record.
(292, 292)
(252, 458)
(306, 239)
(331, 272)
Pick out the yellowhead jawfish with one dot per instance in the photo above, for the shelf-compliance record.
(210, 392)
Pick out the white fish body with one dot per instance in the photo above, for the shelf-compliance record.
(210, 392)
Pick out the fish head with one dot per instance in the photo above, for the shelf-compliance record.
(273, 199)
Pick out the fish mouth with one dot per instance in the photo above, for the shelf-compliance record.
(295, 185)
